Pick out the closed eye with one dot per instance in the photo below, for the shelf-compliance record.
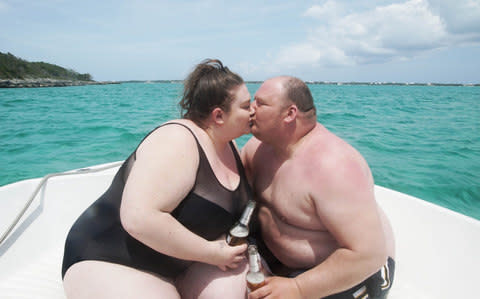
(245, 105)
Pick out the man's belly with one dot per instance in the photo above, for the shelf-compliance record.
(294, 246)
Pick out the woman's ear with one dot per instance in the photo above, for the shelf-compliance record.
(291, 115)
(217, 116)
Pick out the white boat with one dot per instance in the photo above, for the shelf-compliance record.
(437, 249)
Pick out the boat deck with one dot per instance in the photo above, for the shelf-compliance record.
(436, 248)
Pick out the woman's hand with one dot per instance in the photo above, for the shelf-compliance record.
(227, 256)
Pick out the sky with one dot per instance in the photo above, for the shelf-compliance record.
(435, 41)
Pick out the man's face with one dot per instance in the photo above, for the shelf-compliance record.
(267, 109)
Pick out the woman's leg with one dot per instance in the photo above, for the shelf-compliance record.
(96, 279)
(205, 281)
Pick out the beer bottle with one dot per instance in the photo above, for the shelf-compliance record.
(255, 276)
(239, 232)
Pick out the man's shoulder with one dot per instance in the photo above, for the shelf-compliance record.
(253, 142)
(253, 147)
(330, 154)
(325, 145)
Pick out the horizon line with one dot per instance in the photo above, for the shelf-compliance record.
(320, 82)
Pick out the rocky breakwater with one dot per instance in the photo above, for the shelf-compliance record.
(47, 82)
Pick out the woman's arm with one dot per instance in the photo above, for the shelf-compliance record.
(162, 175)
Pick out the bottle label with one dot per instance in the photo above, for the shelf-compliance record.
(234, 241)
(237, 235)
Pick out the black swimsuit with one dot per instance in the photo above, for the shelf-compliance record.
(208, 210)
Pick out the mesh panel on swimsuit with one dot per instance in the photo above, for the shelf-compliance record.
(207, 185)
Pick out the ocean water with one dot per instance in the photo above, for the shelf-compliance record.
(419, 140)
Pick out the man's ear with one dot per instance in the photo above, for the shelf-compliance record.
(291, 115)
(217, 116)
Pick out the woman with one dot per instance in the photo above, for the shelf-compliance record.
(170, 203)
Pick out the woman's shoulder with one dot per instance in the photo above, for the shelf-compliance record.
(180, 128)
(177, 135)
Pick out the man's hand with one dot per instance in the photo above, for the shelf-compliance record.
(277, 287)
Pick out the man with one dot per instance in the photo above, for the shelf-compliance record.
(323, 232)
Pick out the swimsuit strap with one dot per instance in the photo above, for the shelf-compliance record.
(185, 126)
(170, 123)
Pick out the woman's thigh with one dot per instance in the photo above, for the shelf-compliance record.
(96, 279)
(205, 281)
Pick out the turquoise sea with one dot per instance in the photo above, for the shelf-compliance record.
(420, 140)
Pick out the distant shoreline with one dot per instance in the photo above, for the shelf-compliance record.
(392, 83)
(47, 82)
(325, 83)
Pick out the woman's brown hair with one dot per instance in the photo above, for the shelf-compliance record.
(207, 87)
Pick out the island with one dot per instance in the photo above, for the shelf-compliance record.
(16, 73)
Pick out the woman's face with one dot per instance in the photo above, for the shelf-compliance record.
(238, 118)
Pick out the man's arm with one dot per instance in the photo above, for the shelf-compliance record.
(346, 206)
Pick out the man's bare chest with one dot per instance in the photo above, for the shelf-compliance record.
(285, 193)
(275, 181)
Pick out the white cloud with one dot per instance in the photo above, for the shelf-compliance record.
(397, 30)
(299, 54)
(462, 18)
(381, 34)
(325, 12)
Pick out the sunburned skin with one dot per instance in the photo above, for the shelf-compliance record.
(317, 208)
(287, 212)
(295, 247)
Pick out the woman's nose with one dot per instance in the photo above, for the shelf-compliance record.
(253, 106)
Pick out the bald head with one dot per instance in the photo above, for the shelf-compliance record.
(295, 91)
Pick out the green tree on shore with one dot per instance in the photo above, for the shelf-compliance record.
(12, 67)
